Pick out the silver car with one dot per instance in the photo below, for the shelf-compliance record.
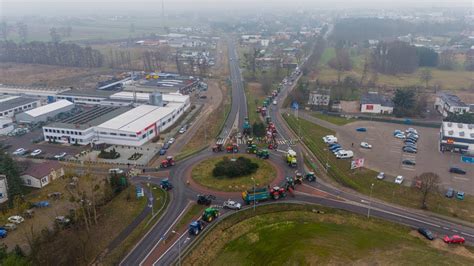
(233, 205)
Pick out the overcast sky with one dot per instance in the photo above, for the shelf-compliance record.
(71, 7)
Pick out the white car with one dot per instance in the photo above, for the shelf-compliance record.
(274, 102)
(233, 205)
(16, 219)
(400, 136)
(411, 130)
(115, 171)
(329, 139)
(399, 180)
(36, 152)
(171, 141)
(182, 130)
(60, 156)
(365, 145)
(381, 176)
(19, 151)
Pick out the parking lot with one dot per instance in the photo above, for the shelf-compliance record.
(386, 154)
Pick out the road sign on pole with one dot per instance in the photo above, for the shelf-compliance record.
(357, 163)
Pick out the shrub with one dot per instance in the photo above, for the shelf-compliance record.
(229, 168)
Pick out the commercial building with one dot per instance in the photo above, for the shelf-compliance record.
(38, 175)
(3, 189)
(11, 105)
(457, 137)
(6, 125)
(448, 103)
(375, 103)
(42, 113)
(319, 97)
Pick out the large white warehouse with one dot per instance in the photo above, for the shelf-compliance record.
(42, 113)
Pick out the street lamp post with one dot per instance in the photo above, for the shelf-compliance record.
(370, 202)
(254, 198)
(179, 247)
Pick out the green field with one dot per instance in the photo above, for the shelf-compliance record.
(202, 174)
(362, 179)
(337, 120)
(296, 235)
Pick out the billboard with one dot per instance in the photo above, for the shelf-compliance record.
(357, 163)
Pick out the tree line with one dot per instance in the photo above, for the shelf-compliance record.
(50, 53)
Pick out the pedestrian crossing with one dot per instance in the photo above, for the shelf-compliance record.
(279, 141)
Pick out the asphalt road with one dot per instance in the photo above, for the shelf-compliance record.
(147, 251)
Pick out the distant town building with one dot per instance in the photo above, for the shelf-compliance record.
(375, 103)
(3, 189)
(457, 137)
(448, 103)
(38, 175)
(11, 105)
(319, 97)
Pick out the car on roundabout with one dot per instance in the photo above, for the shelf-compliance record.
(233, 205)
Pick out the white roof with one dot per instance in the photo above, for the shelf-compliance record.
(139, 118)
(48, 108)
(143, 96)
(458, 130)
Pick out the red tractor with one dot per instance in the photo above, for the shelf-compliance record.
(232, 148)
(217, 147)
(168, 162)
(277, 192)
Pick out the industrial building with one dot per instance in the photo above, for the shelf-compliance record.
(119, 124)
(6, 125)
(42, 113)
(457, 137)
(11, 105)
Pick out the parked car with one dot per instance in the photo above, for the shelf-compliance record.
(41, 204)
(329, 139)
(233, 205)
(449, 193)
(29, 213)
(19, 151)
(426, 233)
(460, 195)
(56, 195)
(361, 129)
(116, 171)
(409, 149)
(400, 136)
(334, 145)
(333, 148)
(274, 102)
(171, 141)
(10, 226)
(399, 180)
(60, 156)
(381, 176)
(3, 233)
(36, 152)
(62, 220)
(411, 145)
(457, 170)
(166, 146)
(455, 239)
(182, 129)
(344, 154)
(336, 150)
(408, 162)
(411, 130)
(397, 132)
(16, 219)
(162, 151)
(365, 145)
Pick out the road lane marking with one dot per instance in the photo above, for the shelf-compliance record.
(462, 233)
(166, 252)
(445, 228)
(172, 225)
(460, 178)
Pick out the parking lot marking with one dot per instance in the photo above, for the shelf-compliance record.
(409, 169)
(460, 178)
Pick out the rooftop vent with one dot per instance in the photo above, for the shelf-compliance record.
(470, 126)
(460, 125)
(451, 132)
(450, 124)
(461, 134)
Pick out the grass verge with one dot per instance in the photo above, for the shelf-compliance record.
(193, 211)
(361, 179)
(202, 174)
(116, 255)
(336, 120)
(283, 234)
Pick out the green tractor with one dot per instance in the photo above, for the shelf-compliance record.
(310, 177)
(289, 183)
(263, 154)
(210, 214)
(252, 148)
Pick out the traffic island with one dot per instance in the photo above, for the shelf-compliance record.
(222, 178)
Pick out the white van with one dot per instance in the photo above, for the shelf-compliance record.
(343, 154)
(115, 171)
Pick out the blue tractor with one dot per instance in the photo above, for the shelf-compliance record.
(166, 184)
(195, 227)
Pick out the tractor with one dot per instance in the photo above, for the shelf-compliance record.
(289, 183)
(195, 227)
(263, 154)
(264, 111)
(217, 148)
(252, 148)
(268, 119)
(291, 158)
(205, 199)
(277, 192)
(210, 214)
(247, 128)
(169, 161)
(232, 148)
(310, 177)
(298, 178)
(166, 184)
(259, 109)
(249, 141)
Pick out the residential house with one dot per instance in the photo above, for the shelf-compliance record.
(3, 189)
(319, 97)
(38, 175)
(448, 103)
(375, 103)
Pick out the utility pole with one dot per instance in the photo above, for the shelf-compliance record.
(370, 202)
(179, 246)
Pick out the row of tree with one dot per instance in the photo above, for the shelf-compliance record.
(52, 53)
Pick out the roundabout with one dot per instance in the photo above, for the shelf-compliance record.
(202, 174)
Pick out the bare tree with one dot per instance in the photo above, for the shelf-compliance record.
(22, 29)
(4, 29)
(429, 184)
(426, 76)
(55, 37)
